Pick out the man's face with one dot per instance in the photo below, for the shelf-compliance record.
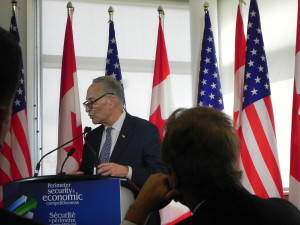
(99, 110)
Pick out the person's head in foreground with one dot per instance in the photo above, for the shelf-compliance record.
(201, 151)
(10, 62)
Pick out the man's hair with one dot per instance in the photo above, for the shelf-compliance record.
(111, 85)
(10, 65)
(201, 147)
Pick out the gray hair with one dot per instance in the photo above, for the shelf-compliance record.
(111, 85)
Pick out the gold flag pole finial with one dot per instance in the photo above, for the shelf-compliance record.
(14, 4)
(206, 5)
(110, 13)
(161, 14)
(242, 2)
(70, 9)
(160, 10)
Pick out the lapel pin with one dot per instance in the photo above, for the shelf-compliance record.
(123, 136)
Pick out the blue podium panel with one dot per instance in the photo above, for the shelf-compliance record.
(66, 202)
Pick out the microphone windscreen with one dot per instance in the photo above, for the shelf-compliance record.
(87, 129)
(71, 152)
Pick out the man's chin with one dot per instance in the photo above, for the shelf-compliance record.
(94, 121)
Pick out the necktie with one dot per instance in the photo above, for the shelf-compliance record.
(105, 152)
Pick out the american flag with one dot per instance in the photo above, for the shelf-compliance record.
(259, 158)
(161, 108)
(113, 67)
(15, 162)
(209, 86)
(70, 125)
(294, 190)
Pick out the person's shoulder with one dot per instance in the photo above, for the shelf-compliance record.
(282, 202)
(139, 120)
(277, 208)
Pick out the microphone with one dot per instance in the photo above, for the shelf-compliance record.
(86, 130)
(38, 165)
(70, 153)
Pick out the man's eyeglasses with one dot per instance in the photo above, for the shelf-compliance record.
(89, 105)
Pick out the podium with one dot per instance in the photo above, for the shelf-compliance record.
(70, 199)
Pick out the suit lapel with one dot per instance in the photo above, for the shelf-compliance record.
(124, 137)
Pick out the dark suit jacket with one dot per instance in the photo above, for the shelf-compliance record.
(138, 146)
(239, 207)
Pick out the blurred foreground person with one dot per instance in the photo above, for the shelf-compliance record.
(200, 150)
(10, 65)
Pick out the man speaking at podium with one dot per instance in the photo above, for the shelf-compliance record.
(123, 145)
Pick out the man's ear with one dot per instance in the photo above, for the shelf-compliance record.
(112, 101)
(173, 178)
(4, 115)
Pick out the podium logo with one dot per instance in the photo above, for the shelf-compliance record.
(23, 207)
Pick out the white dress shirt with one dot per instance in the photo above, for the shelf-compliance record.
(114, 136)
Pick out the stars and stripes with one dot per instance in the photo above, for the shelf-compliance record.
(113, 67)
(15, 161)
(112, 60)
(259, 158)
(209, 86)
(294, 189)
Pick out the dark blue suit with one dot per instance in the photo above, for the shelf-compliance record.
(138, 146)
(239, 207)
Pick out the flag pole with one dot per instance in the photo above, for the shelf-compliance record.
(110, 13)
(161, 14)
(70, 10)
(206, 5)
(14, 4)
(241, 2)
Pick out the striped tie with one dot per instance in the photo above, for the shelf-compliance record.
(105, 152)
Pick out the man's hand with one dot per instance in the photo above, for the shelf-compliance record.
(154, 195)
(112, 169)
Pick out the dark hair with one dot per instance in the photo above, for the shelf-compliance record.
(10, 65)
(111, 85)
(201, 147)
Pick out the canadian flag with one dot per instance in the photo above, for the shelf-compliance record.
(239, 69)
(294, 190)
(69, 109)
(161, 108)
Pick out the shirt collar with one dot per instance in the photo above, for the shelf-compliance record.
(118, 124)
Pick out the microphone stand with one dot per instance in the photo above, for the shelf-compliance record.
(38, 165)
(89, 146)
(70, 153)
